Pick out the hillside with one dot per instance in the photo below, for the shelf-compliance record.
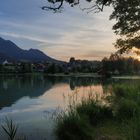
(11, 52)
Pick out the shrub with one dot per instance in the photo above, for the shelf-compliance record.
(72, 127)
(95, 113)
(119, 91)
(126, 109)
(77, 123)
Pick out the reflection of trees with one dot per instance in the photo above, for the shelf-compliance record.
(84, 81)
(12, 89)
(89, 81)
(76, 81)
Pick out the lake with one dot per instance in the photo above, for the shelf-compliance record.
(30, 100)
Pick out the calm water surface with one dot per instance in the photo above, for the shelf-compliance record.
(29, 101)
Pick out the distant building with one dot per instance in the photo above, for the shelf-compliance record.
(40, 67)
(7, 66)
(5, 62)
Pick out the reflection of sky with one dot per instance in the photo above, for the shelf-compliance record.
(62, 35)
(51, 99)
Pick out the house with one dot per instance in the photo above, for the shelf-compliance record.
(5, 62)
(8, 66)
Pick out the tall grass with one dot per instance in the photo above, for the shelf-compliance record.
(72, 127)
(76, 123)
(10, 128)
(127, 108)
(83, 120)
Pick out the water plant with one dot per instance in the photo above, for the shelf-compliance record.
(10, 128)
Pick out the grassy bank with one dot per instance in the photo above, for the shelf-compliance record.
(90, 120)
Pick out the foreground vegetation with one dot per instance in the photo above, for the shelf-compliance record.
(118, 119)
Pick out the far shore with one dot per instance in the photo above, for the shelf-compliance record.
(127, 77)
(92, 75)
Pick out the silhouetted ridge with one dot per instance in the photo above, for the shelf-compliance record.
(9, 50)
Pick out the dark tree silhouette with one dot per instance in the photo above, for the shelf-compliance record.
(125, 12)
(57, 5)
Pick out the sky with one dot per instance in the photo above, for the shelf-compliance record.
(71, 33)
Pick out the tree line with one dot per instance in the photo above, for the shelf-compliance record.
(121, 65)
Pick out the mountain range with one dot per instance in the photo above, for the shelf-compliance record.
(11, 52)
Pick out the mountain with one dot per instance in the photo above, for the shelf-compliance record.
(4, 57)
(10, 51)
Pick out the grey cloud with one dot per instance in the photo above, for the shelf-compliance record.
(59, 34)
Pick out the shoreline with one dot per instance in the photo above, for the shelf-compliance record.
(76, 75)
(92, 75)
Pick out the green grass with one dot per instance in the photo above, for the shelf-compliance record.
(93, 112)
(72, 127)
(78, 121)
(89, 120)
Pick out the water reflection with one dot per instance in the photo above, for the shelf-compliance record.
(26, 99)
(12, 89)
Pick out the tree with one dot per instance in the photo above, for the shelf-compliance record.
(72, 60)
(57, 5)
(125, 12)
(51, 68)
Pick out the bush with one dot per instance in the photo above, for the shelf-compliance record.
(127, 91)
(78, 122)
(126, 109)
(72, 127)
(95, 113)
(119, 91)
